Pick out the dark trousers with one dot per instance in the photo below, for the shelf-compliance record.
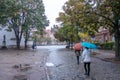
(77, 59)
(87, 68)
(77, 52)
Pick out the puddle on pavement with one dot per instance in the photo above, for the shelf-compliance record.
(20, 77)
(22, 67)
(36, 63)
(49, 64)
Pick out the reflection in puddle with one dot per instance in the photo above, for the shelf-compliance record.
(37, 63)
(49, 64)
(22, 67)
(20, 77)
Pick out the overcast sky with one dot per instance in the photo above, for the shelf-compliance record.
(52, 9)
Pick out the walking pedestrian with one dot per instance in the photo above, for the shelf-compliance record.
(77, 48)
(77, 53)
(86, 59)
(34, 45)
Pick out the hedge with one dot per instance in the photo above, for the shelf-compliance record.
(106, 45)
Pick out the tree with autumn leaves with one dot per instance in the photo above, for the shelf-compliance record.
(22, 16)
(87, 16)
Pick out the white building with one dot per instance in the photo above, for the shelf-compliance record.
(10, 38)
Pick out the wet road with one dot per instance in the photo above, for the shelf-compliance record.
(52, 63)
(61, 64)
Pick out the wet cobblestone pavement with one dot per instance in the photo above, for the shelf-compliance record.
(12, 64)
(66, 68)
(52, 63)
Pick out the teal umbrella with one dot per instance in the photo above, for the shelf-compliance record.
(89, 45)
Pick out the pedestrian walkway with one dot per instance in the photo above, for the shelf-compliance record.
(62, 65)
(23, 64)
(106, 55)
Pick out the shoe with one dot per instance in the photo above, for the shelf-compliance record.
(85, 74)
(88, 74)
(77, 62)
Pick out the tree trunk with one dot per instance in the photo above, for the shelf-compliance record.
(26, 43)
(27, 35)
(18, 43)
(117, 45)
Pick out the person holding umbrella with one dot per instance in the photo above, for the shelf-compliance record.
(77, 47)
(86, 59)
(86, 56)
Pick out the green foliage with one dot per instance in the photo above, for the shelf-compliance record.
(109, 45)
(76, 13)
(106, 45)
(90, 15)
(108, 12)
(67, 33)
(23, 15)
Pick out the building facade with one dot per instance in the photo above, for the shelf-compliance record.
(104, 36)
(9, 38)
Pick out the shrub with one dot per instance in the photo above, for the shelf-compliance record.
(107, 45)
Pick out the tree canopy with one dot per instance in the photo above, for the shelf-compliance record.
(23, 15)
(89, 15)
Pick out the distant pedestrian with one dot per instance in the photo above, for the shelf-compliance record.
(77, 48)
(86, 59)
(34, 45)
